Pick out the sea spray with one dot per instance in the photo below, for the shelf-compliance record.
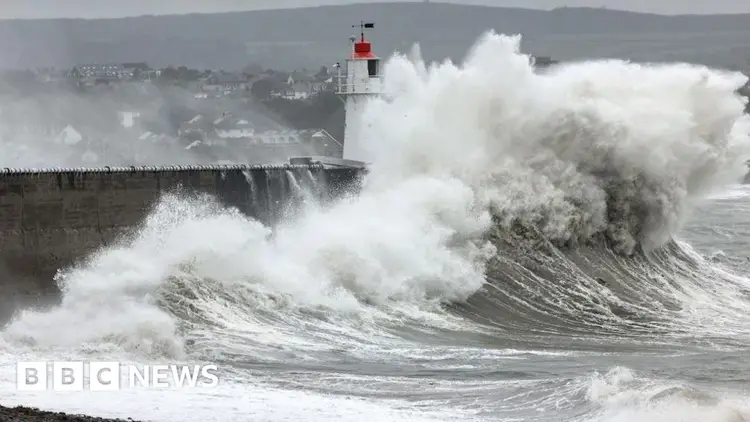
(592, 149)
(595, 148)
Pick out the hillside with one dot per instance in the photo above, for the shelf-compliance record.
(294, 38)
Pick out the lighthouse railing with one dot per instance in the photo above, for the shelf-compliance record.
(371, 86)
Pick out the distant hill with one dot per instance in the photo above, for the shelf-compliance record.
(309, 37)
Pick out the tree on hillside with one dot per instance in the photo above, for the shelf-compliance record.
(263, 88)
(322, 73)
(252, 69)
(186, 74)
(169, 75)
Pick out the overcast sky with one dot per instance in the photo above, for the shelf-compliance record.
(117, 8)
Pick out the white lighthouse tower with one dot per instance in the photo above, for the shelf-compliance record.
(362, 82)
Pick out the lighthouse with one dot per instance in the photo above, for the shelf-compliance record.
(360, 83)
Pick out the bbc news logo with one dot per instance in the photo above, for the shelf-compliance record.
(111, 376)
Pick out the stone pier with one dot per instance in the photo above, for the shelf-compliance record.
(52, 218)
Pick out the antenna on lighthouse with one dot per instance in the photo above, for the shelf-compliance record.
(362, 26)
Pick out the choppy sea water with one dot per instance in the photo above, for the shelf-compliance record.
(557, 247)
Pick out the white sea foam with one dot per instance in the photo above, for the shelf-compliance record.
(625, 395)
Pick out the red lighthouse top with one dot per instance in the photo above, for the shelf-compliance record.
(363, 48)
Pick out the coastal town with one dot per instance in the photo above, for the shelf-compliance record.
(253, 115)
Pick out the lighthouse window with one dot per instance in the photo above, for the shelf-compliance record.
(372, 67)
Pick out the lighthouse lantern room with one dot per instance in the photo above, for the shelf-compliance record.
(361, 83)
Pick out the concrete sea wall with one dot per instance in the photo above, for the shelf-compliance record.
(52, 218)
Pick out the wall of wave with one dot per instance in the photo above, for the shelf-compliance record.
(52, 218)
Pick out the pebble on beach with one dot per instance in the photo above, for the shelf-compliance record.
(29, 414)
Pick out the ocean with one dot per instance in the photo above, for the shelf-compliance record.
(569, 245)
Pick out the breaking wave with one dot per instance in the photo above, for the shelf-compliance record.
(531, 211)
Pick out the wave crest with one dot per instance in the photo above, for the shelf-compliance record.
(587, 149)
